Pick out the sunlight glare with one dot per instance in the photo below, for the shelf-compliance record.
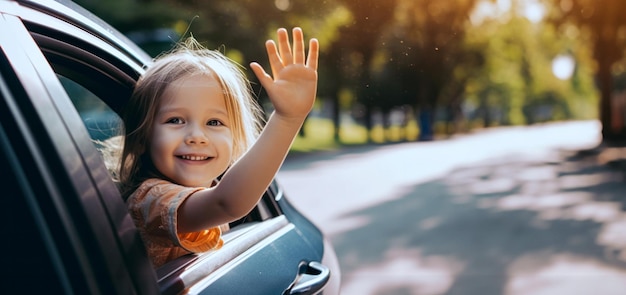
(563, 66)
(547, 274)
(613, 236)
(403, 269)
(488, 10)
(533, 11)
(282, 5)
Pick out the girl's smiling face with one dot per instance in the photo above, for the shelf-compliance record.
(192, 140)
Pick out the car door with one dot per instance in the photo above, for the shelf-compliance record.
(84, 77)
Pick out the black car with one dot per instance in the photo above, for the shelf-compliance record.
(64, 77)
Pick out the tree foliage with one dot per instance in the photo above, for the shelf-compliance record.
(428, 56)
(517, 84)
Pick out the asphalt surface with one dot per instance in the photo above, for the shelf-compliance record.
(525, 210)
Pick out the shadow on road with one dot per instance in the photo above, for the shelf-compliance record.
(506, 226)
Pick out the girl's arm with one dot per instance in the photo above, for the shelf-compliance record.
(292, 88)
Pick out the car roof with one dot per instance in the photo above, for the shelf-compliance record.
(78, 16)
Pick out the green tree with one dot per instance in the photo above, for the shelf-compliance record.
(602, 24)
(241, 27)
(354, 51)
(427, 42)
(516, 85)
(146, 22)
(128, 16)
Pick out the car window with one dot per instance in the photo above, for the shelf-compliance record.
(101, 121)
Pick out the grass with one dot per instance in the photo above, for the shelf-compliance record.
(319, 135)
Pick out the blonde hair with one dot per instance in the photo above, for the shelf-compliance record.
(186, 59)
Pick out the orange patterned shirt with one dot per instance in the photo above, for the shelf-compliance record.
(153, 207)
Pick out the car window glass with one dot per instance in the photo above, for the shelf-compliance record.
(103, 124)
(100, 120)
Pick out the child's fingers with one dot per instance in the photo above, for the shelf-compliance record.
(274, 58)
(312, 59)
(298, 46)
(260, 73)
(283, 47)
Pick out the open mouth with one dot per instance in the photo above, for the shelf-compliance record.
(194, 158)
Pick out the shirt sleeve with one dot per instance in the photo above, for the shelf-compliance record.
(154, 207)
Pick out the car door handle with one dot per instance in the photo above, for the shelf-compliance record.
(312, 278)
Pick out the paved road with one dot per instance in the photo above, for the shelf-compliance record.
(503, 211)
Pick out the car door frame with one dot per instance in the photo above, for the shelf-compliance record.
(86, 240)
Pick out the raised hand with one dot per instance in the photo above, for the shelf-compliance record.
(293, 84)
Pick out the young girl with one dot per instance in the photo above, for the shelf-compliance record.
(192, 119)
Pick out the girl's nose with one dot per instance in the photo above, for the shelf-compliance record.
(196, 136)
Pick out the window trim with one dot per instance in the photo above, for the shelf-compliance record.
(98, 75)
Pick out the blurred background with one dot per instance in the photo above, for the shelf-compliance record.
(407, 70)
(456, 147)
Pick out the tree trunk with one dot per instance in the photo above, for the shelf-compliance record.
(336, 113)
(426, 120)
(368, 122)
(606, 54)
(605, 83)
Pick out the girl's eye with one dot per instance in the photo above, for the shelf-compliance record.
(215, 123)
(174, 121)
